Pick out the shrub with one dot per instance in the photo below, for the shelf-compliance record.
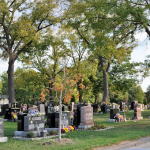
(53, 132)
(30, 135)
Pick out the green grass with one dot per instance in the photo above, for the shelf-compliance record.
(85, 140)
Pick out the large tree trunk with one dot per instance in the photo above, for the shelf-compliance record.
(105, 96)
(96, 97)
(11, 89)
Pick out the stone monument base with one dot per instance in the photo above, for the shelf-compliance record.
(111, 120)
(24, 133)
(137, 118)
(49, 129)
(85, 126)
(3, 139)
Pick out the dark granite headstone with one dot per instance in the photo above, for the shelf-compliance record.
(77, 111)
(133, 104)
(21, 121)
(95, 108)
(1, 127)
(104, 108)
(51, 119)
(32, 122)
(113, 112)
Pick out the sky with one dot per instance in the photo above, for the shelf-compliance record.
(138, 55)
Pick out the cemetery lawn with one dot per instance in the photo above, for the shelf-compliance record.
(84, 140)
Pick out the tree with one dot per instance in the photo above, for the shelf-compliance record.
(4, 82)
(80, 63)
(22, 23)
(136, 93)
(64, 87)
(28, 85)
(47, 61)
(97, 32)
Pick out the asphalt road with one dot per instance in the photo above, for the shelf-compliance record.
(140, 144)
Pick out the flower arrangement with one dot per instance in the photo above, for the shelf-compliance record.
(68, 128)
(14, 115)
(71, 115)
(34, 113)
(118, 117)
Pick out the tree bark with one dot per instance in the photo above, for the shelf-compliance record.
(11, 89)
(96, 97)
(51, 91)
(105, 96)
(60, 114)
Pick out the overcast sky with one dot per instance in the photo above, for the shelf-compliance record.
(138, 55)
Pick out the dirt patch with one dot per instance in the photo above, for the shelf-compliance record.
(63, 141)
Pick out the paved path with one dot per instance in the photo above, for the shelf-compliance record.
(140, 144)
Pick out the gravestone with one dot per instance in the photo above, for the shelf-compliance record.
(64, 108)
(148, 106)
(21, 121)
(31, 123)
(14, 109)
(113, 106)
(104, 108)
(2, 138)
(86, 119)
(32, 109)
(113, 112)
(77, 111)
(133, 104)
(65, 120)
(137, 113)
(145, 106)
(117, 106)
(51, 119)
(41, 108)
(122, 106)
(95, 108)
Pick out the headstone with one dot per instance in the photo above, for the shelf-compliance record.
(137, 113)
(86, 117)
(51, 119)
(32, 109)
(122, 106)
(133, 104)
(113, 106)
(10, 111)
(140, 106)
(104, 108)
(145, 106)
(113, 112)
(2, 138)
(21, 121)
(64, 108)
(95, 108)
(77, 111)
(65, 120)
(117, 106)
(41, 108)
(32, 122)
(148, 106)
